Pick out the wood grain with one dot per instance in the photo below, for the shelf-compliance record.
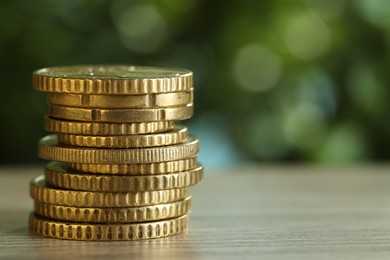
(251, 212)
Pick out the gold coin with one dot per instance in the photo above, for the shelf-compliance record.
(136, 169)
(99, 232)
(175, 136)
(58, 176)
(135, 115)
(40, 192)
(175, 99)
(92, 128)
(112, 79)
(114, 215)
(49, 149)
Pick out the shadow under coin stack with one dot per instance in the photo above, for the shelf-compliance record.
(120, 168)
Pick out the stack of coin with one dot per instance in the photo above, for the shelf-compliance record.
(120, 167)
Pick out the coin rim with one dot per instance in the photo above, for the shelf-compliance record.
(135, 115)
(49, 149)
(114, 215)
(116, 86)
(59, 177)
(100, 232)
(136, 169)
(122, 101)
(40, 191)
(177, 135)
(95, 128)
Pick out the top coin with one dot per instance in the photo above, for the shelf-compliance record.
(112, 79)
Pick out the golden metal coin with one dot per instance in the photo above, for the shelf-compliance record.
(92, 128)
(175, 136)
(135, 115)
(58, 176)
(114, 215)
(136, 169)
(175, 99)
(112, 79)
(49, 149)
(40, 192)
(99, 232)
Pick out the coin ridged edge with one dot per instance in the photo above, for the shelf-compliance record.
(157, 100)
(116, 156)
(114, 215)
(92, 128)
(136, 169)
(176, 136)
(53, 195)
(99, 232)
(113, 86)
(135, 115)
(58, 177)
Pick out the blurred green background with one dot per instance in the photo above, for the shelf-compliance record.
(276, 81)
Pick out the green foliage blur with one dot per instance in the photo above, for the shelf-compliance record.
(282, 80)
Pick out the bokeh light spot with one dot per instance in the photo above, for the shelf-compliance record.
(218, 150)
(366, 89)
(263, 136)
(375, 11)
(307, 36)
(142, 28)
(257, 68)
(179, 5)
(344, 144)
(329, 9)
(318, 88)
(305, 126)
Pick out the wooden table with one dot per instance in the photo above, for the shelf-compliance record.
(255, 212)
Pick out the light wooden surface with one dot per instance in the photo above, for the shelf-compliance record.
(248, 212)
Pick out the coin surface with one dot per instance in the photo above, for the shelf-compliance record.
(93, 128)
(177, 135)
(112, 79)
(136, 169)
(135, 115)
(40, 192)
(58, 176)
(114, 215)
(175, 99)
(86, 231)
(50, 149)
